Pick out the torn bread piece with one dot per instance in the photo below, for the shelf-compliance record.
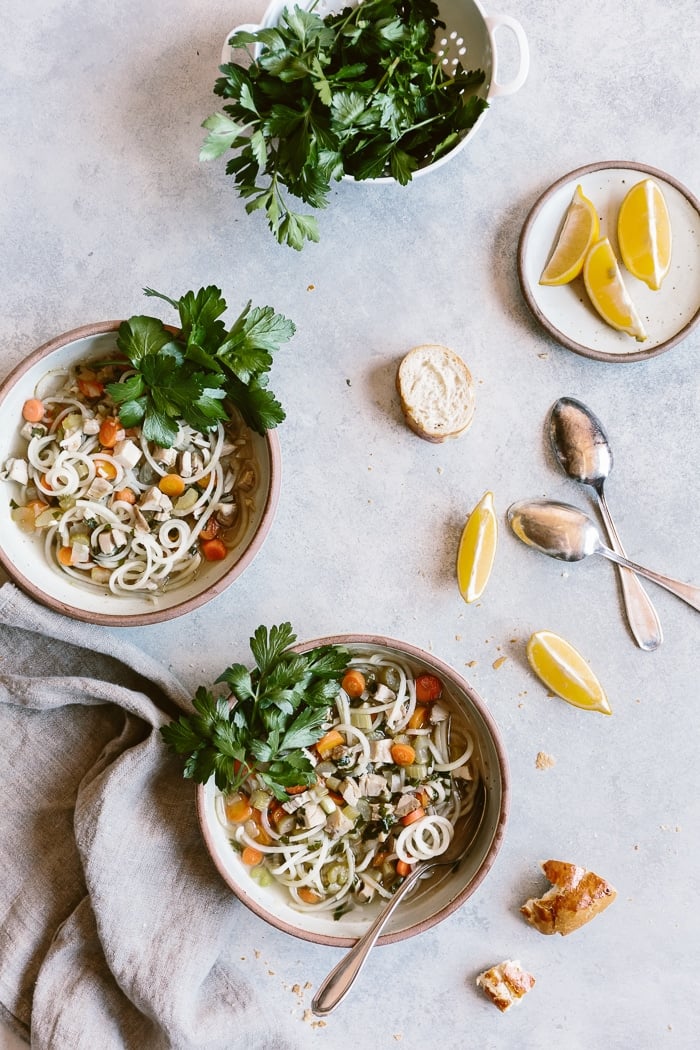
(576, 897)
(506, 983)
(436, 391)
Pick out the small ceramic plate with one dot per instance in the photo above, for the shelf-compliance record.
(566, 312)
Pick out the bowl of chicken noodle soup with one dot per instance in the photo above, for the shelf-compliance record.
(100, 524)
(408, 759)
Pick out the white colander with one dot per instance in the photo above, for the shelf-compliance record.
(469, 37)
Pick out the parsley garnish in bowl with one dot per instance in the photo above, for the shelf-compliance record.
(187, 375)
(359, 93)
(271, 715)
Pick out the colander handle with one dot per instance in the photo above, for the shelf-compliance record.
(247, 27)
(494, 22)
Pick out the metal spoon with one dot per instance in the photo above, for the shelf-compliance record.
(581, 446)
(339, 981)
(565, 532)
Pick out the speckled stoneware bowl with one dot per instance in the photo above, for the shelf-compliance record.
(439, 895)
(22, 556)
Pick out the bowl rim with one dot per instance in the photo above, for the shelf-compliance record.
(561, 337)
(448, 672)
(179, 608)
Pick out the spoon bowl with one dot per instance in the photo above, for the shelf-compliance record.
(583, 451)
(562, 531)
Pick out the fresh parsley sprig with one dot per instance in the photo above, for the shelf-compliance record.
(187, 375)
(271, 715)
(358, 93)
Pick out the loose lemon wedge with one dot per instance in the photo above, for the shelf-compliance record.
(477, 549)
(565, 672)
(606, 288)
(644, 233)
(581, 228)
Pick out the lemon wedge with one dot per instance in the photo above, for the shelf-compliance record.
(581, 228)
(477, 549)
(644, 233)
(565, 672)
(607, 291)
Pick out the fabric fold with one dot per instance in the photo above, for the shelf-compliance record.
(116, 931)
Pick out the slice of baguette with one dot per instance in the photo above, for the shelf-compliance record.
(436, 391)
(576, 897)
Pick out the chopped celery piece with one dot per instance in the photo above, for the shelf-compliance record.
(418, 771)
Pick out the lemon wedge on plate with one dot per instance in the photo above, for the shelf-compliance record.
(477, 549)
(644, 233)
(565, 672)
(607, 291)
(581, 228)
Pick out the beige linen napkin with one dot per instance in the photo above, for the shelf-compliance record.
(116, 932)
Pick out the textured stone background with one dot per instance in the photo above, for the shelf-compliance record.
(102, 193)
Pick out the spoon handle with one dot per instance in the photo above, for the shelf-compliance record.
(641, 614)
(685, 591)
(338, 982)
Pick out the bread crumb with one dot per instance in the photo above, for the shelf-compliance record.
(470, 663)
(398, 1037)
(311, 287)
(458, 637)
(499, 662)
(309, 1018)
(505, 984)
(543, 357)
(256, 953)
(544, 761)
(441, 470)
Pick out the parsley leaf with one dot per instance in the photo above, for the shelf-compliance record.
(276, 711)
(188, 375)
(360, 93)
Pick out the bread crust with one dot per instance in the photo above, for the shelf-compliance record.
(505, 984)
(576, 897)
(436, 391)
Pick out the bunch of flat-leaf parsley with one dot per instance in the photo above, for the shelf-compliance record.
(187, 375)
(359, 93)
(270, 716)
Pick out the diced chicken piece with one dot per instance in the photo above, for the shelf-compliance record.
(380, 752)
(127, 453)
(17, 470)
(383, 692)
(110, 540)
(364, 891)
(296, 802)
(91, 426)
(79, 553)
(140, 523)
(350, 790)
(372, 785)
(72, 441)
(337, 824)
(313, 815)
(154, 499)
(30, 430)
(99, 487)
(463, 772)
(166, 456)
(406, 804)
(313, 758)
(438, 713)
